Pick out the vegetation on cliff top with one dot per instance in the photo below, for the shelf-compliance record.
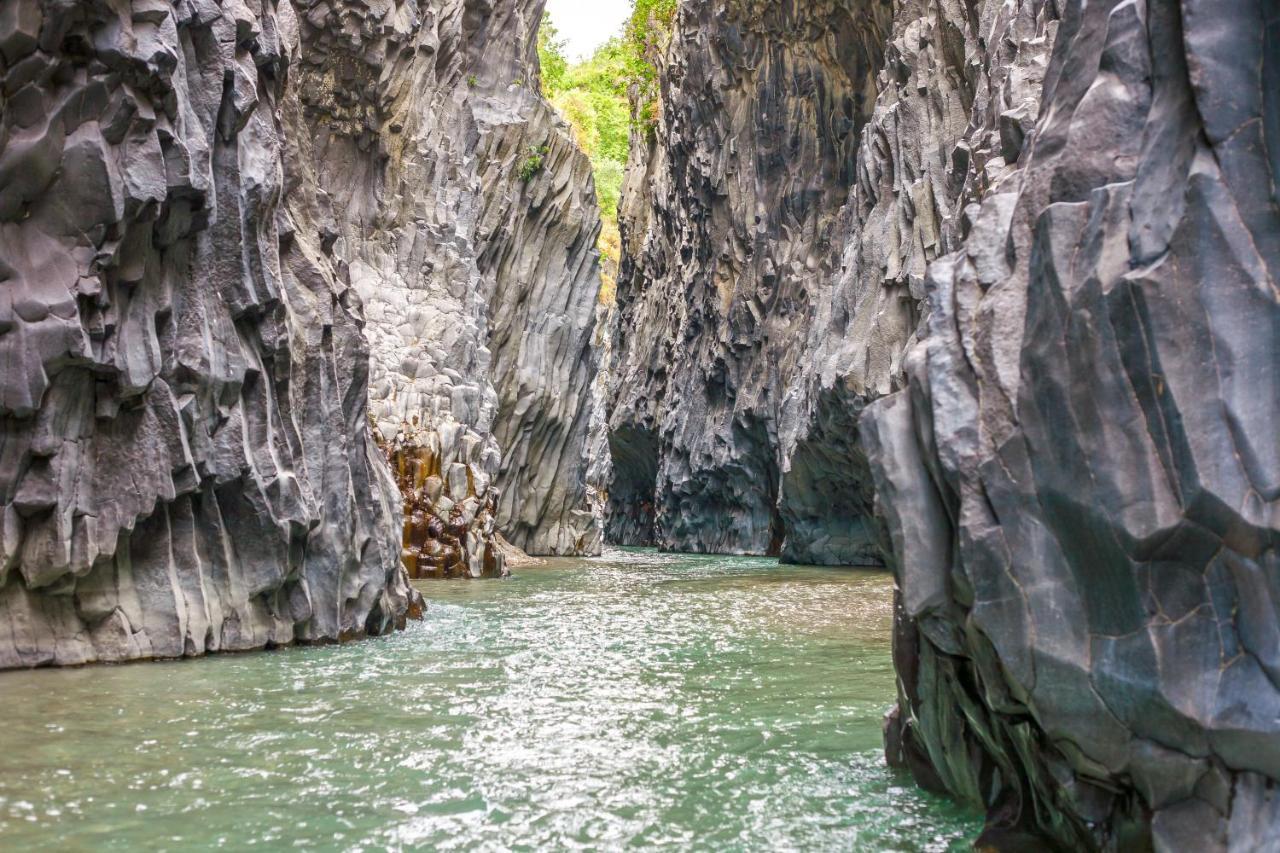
(644, 39)
(605, 97)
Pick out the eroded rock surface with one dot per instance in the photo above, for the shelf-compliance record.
(187, 465)
(730, 225)
(812, 159)
(958, 86)
(1077, 469)
(194, 197)
(468, 220)
(1082, 478)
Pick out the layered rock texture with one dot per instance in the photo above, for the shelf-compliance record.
(731, 224)
(811, 160)
(1082, 478)
(194, 198)
(467, 218)
(986, 292)
(187, 465)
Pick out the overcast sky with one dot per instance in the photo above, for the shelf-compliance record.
(584, 25)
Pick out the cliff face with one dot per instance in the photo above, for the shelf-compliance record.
(958, 87)
(468, 220)
(811, 160)
(194, 198)
(187, 465)
(1075, 472)
(729, 222)
(1082, 476)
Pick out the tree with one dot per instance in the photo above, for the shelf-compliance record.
(645, 38)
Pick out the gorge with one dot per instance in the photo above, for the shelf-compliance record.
(302, 304)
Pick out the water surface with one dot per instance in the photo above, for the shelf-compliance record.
(640, 701)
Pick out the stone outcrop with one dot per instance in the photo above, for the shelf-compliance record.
(1082, 476)
(1048, 232)
(187, 463)
(958, 85)
(467, 218)
(211, 214)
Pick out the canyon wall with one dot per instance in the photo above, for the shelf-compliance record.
(986, 292)
(731, 222)
(467, 218)
(1082, 476)
(811, 159)
(241, 244)
(186, 463)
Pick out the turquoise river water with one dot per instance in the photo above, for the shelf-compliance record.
(638, 701)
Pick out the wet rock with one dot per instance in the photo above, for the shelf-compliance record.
(1080, 476)
(446, 536)
(188, 467)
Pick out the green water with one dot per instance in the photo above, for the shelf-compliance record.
(640, 701)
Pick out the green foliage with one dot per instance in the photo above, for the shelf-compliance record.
(472, 80)
(608, 175)
(645, 38)
(551, 55)
(595, 96)
(532, 164)
(577, 108)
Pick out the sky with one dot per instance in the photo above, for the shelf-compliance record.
(584, 25)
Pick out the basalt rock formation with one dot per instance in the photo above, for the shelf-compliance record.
(187, 465)
(811, 160)
(1082, 477)
(467, 218)
(730, 221)
(194, 198)
(958, 86)
(986, 292)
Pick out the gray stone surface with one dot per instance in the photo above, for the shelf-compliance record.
(1082, 476)
(187, 465)
(211, 215)
(811, 161)
(467, 218)
(1075, 475)
(950, 72)
(731, 225)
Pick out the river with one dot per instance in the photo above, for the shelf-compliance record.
(641, 701)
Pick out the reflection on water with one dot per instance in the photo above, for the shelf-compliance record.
(640, 700)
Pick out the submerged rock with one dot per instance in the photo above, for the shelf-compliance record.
(187, 463)
(1082, 476)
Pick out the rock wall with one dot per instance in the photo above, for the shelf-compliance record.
(1082, 475)
(730, 220)
(958, 87)
(186, 463)
(467, 218)
(197, 200)
(1074, 474)
(811, 160)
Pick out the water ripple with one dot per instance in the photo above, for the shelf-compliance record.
(642, 700)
